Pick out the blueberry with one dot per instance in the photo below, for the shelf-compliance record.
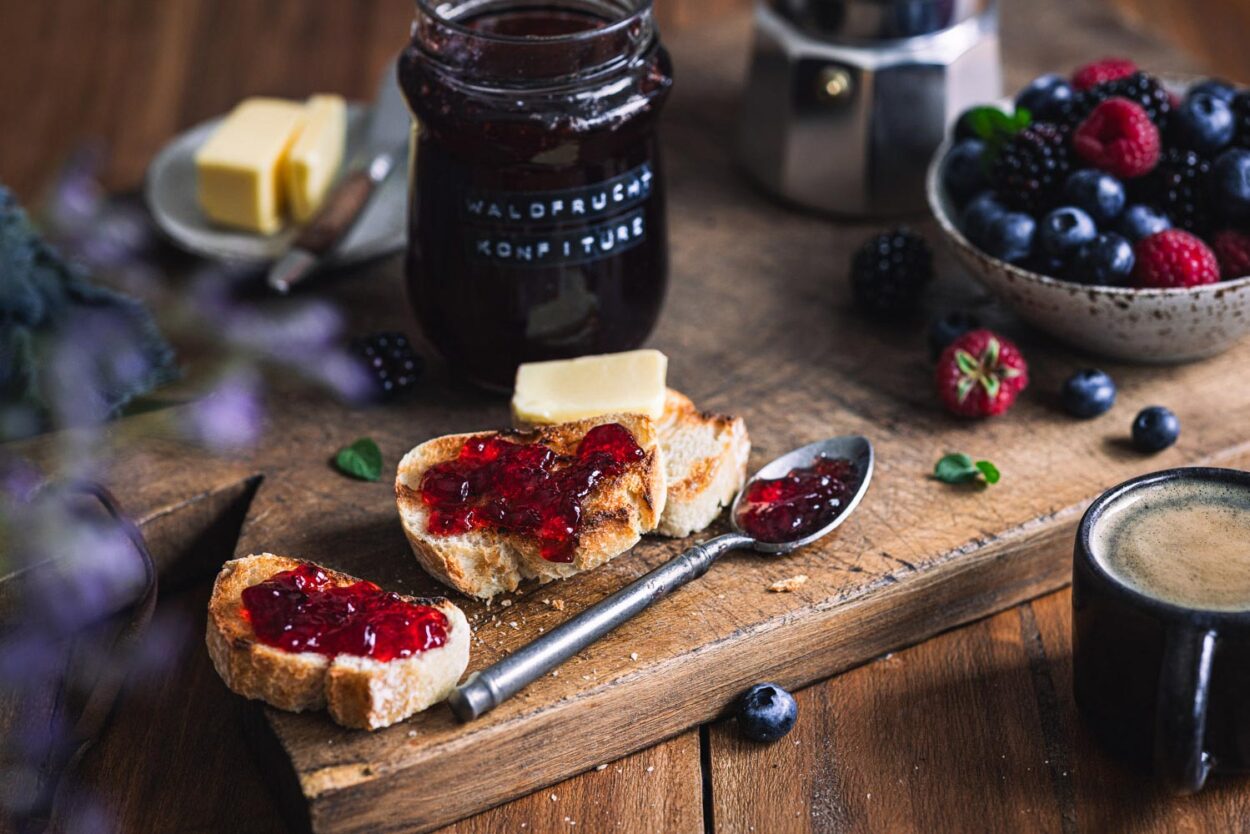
(1230, 179)
(1107, 260)
(1098, 194)
(1155, 428)
(963, 126)
(984, 209)
(1044, 264)
(1064, 229)
(1222, 90)
(1088, 393)
(1140, 220)
(766, 712)
(1203, 123)
(964, 172)
(1010, 236)
(1045, 97)
(948, 328)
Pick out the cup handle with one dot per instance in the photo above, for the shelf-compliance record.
(1181, 711)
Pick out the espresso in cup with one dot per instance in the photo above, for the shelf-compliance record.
(1186, 542)
(1161, 611)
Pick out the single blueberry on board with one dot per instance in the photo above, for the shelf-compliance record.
(1154, 429)
(766, 712)
(1088, 393)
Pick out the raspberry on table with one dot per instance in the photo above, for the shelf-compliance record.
(1232, 250)
(1102, 71)
(1173, 259)
(889, 272)
(1119, 138)
(980, 374)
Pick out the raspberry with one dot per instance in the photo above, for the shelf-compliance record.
(1100, 72)
(1232, 250)
(980, 374)
(1174, 258)
(1030, 169)
(889, 271)
(1119, 138)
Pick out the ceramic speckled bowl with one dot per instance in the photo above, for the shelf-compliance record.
(1158, 326)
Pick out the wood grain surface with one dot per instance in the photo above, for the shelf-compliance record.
(749, 274)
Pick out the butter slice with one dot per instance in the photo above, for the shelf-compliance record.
(316, 155)
(574, 389)
(238, 169)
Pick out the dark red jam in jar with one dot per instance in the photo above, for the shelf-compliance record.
(536, 227)
(300, 610)
(800, 503)
(527, 489)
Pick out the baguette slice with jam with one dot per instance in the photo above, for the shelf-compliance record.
(480, 557)
(360, 691)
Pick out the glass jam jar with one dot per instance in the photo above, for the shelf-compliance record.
(536, 227)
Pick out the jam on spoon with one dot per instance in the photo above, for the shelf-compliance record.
(301, 610)
(527, 489)
(799, 503)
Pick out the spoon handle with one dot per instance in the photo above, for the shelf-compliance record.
(491, 687)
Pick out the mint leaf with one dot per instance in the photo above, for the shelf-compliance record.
(989, 470)
(362, 459)
(955, 468)
(995, 127)
(958, 468)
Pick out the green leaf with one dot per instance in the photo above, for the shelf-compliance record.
(958, 468)
(967, 362)
(362, 459)
(995, 127)
(991, 385)
(990, 471)
(955, 468)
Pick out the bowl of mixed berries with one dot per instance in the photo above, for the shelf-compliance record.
(1110, 209)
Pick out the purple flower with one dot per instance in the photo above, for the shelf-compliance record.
(230, 417)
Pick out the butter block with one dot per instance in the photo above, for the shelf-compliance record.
(316, 155)
(574, 389)
(238, 170)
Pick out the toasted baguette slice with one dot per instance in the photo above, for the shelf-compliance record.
(483, 563)
(705, 459)
(360, 692)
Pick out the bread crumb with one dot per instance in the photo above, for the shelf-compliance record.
(412, 734)
(633, 655)
(650, 768)
(513, 625)
(601, 767)
(555, 674)
(784, 586)
(554, 797)
(557, 604)
(504, 603)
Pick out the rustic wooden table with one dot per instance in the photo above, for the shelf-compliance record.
(972, 730)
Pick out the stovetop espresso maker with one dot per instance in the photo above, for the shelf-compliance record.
(846, 100)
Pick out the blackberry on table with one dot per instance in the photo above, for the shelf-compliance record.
(889, 271)
(1030, 168)
(1139, 87)
(1179, 186)
(391, 362)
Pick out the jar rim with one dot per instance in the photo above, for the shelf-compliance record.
(433, 10)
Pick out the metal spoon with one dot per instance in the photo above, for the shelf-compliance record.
(489, 688)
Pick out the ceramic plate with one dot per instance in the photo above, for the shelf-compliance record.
(170, 194)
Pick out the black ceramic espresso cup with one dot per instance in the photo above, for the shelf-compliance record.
(1165, 685)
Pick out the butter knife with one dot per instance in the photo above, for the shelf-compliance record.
(386, 138)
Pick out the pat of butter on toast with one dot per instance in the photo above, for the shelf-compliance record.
(565, 390)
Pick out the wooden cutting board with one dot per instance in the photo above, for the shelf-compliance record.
(757, 323)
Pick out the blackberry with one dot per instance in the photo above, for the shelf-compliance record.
(391, 362)
(889, 271)
(1179, 187)
(1139, 87)
(1030, 168)
(1241, 120)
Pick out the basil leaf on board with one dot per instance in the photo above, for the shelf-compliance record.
(362, 459)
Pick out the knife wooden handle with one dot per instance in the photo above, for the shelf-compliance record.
(337, 215)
